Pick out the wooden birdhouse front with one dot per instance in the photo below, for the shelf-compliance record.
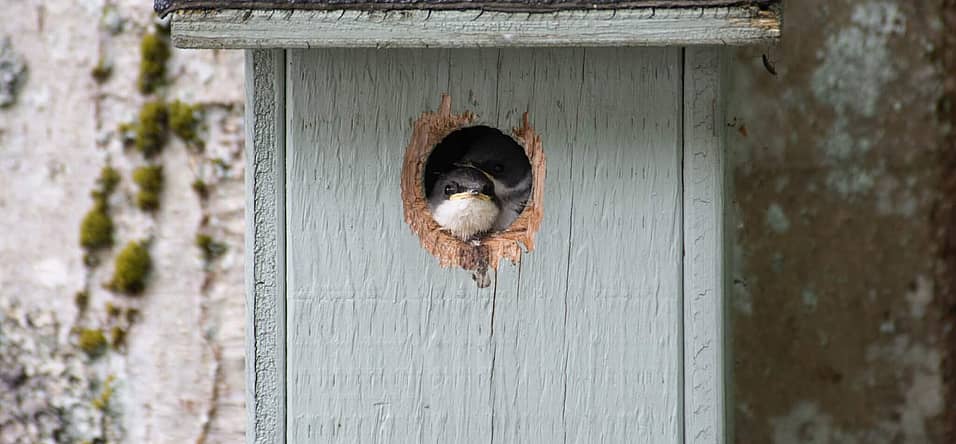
(603, 317)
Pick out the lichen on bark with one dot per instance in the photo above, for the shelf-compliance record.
(45, 390)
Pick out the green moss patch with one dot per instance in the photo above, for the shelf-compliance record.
(149, 178)
(102, 402)
(102, 71)
(201, 189)
(152, 129)
(133, 264)
(105, 186)
(117, 337)
(92, 342)
(184, 121)
(96, 229)
(112, 310)
(154, 53)
(163, 27)
(127, 133)
(210, 248)
(109, 179)
(132, 315)
(82, 300)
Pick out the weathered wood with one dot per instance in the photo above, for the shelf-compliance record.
(624, 293)
(265, 239)
(166, 6)
(384, 345)
(734, 25)
(531, 299)
(587, 343)
(581, 343)
(706, 197)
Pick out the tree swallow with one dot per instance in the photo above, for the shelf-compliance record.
(503, 161)
(463, 202)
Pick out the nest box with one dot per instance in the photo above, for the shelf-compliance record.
(605, 317)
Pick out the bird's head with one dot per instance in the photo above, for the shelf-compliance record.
(500, 158)
(464, 183)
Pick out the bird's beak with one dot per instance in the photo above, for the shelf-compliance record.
(474, 194)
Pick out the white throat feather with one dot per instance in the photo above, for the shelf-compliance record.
(465, 218)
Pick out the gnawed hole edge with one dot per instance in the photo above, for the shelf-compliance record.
(427, 132)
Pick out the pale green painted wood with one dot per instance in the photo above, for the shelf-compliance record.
(585, 345)
(531, 307)
(383, 344)
(737, 25)
(623, 337)
(707, 231)
(265, 243)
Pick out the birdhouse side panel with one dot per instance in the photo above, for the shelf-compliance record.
(265, 240)
(708, 237)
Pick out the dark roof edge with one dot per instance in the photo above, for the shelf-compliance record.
(164, 7)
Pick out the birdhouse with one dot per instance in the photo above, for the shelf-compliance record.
(597, 314)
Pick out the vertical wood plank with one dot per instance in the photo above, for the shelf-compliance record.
(265, 238)
(473, 84)
(706, 196)
(529, 383)
(546, 388)
(384, 346)
(624, 281)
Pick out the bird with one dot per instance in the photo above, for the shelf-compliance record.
(504, 162)
(462, 201)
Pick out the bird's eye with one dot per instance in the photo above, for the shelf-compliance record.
(450, 189)
(497, 168)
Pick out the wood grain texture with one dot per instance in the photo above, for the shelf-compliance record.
(624, 281)
(586, 351)
(733, 25)
(165, 6)
(531, 300)
(578, 343)
(706, 196)
(384, 345)
(265, 239)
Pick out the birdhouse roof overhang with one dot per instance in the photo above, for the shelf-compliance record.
(469, 23)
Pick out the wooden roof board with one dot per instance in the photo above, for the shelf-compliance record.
(164, 7)
(247, 24)
(249, 29)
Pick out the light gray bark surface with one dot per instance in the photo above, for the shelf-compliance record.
(180, 377)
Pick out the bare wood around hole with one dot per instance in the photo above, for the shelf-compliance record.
(427, 132)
